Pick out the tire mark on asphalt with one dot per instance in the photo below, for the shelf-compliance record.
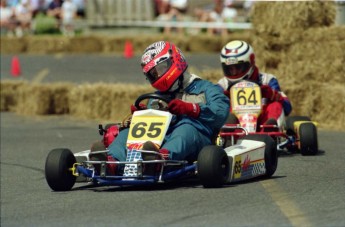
(23, 166)
(286, 204)
(40, 75)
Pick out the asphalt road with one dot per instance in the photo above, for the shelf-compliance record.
(304, 191)
(90, 68)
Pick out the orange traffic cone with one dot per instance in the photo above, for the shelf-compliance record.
(128, 52)
(15, 67)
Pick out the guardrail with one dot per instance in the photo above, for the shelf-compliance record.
(140, 13)
(184, 24)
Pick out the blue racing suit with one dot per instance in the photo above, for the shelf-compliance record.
(188, 135)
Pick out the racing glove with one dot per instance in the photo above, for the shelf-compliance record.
(227, 93)
(270, 94)
(180, 107)
(133, 108)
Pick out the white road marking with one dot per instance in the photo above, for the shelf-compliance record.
(41, 75)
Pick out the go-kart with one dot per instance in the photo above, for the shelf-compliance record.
(252, 156)
(298, 134)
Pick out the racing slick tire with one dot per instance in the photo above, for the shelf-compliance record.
(57, 173)
(290, 130)
(308, 139)
(271, 153)
(213, 166)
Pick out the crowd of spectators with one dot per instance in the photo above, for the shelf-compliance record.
(215, 11)
(18, 16)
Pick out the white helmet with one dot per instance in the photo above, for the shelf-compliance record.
(238, 60)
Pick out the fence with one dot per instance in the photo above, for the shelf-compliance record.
(140, 13)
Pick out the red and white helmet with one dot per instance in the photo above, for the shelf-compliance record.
(238, 60)
(163, 63)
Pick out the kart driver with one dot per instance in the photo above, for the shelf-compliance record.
(198, 105)
(238, 62)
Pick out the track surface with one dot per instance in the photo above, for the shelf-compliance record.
(90, 68)
(305, 191)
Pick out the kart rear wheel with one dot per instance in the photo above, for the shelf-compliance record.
(57, 173)
(290, 130)
(213, 166)
(271, 154)
(308, 139)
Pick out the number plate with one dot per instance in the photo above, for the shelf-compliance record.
(148, 125)
(245, 96)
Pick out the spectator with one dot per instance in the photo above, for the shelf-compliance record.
(222, 12)
(177, 9)
(54, 9)
(68, 14)
(80, 7)
(37, 6)
(247, 7)
(23, 15)
(161, 7)
(7, 18)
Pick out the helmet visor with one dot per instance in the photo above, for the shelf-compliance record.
(235, 71)
(159, 70)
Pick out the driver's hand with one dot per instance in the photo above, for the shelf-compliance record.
(179, 107)
(133, 108)
(269, 93)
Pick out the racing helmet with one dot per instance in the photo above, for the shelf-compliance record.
(238, 60)
(163, 63)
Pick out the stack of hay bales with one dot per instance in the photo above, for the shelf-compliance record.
(104, 101)
(298, 42)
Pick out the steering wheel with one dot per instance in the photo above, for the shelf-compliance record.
(162, 98)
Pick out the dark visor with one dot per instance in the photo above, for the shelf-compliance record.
(233, 70)
(160, 69)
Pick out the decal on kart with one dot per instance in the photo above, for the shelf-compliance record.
(245, 167)
(131, 169)
(259, 168)
(237, 168)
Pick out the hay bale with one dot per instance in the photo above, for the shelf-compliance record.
(60, 97)
(12, 45)
(9, 90)
(114, 44)
(34, 99)
(47, 44)
(277, 18)
(202, 44)
(82, 44)
(330, 107)
(104, 101)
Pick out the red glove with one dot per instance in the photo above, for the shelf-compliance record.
(270, 94)
(133, 108)
(180, 107)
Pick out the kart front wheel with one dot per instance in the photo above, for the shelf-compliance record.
(308, 139)
(271, 154)
(57, 169)
(213, 166)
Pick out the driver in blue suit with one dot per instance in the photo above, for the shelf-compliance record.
(200, 107)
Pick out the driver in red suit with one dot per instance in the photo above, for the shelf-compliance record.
(238, 63)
